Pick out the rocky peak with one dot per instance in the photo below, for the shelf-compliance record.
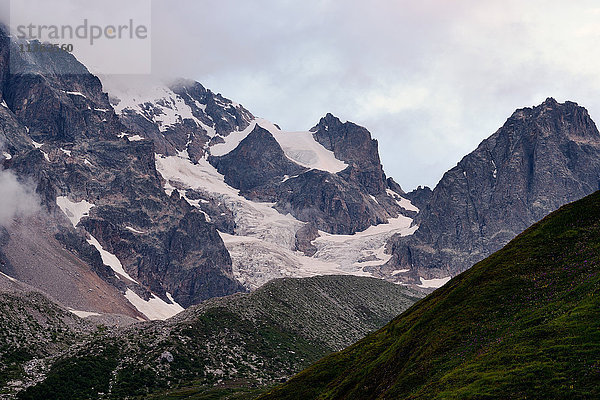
(329, 121)
(257, 162)
(540, 159)
(566, 119)
(354, 145)
(65, 137)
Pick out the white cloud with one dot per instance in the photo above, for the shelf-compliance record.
(16, 199)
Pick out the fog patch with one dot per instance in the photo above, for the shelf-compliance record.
(17, 199)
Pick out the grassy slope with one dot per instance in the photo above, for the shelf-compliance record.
(523, 323)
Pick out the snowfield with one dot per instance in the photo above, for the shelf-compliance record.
(74, 210)
(299, 147)
(155, 308)
(434, 283)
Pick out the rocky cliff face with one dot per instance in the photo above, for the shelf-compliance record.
(543, 157)
(61, 132)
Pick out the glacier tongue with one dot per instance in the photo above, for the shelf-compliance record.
(262, 248)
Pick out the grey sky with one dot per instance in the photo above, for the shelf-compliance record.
(429, 80)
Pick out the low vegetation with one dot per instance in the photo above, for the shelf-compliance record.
(523, 323)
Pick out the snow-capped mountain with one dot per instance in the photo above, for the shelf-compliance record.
(105, 238)
(286, 204)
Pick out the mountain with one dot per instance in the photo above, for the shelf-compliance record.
(107, 238)
(241, 341)
(286, 204)
(154, 197)
(523, 323)
(542, 158)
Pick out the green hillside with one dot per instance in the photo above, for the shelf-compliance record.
(522, 324)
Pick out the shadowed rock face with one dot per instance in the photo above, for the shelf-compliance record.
(542, 158)
(81, 154)
(331, 203)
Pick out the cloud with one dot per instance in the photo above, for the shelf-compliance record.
(429, 79)
(16, 199)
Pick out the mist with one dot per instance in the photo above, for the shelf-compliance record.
(17, 199)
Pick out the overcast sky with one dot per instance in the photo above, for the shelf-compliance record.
(429, 79)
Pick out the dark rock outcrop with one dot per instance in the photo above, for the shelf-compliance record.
(329, 202)
(256, 166)
(304, 238)
(420, 197)
(543, 157)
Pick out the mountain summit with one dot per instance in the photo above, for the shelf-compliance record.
(541, 158)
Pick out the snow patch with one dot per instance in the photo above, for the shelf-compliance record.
(110, 259)
(7, 156)
(83, 314)
(129, 228)
(8, 277)
(433, 283)
(76, 94)
(135, 138)
(74, 211)
(231, 141)
(402, 202)
(36, 144)
(399, 271)
(155, 308)
(67, 152)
